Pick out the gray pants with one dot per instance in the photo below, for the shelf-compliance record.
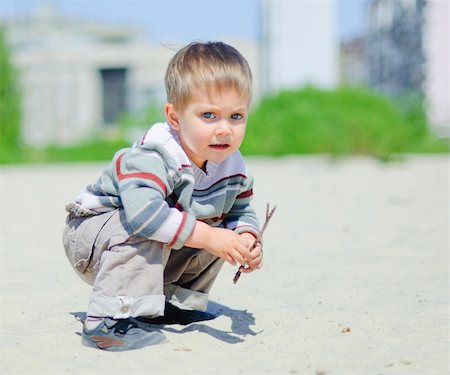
(132, 276)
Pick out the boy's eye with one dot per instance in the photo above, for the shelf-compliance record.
(208, 115)
(236, 116)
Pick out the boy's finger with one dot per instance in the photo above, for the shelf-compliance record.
(230, 260)
(246, 253)
(256, 262)
(237, 256)
(246, 269)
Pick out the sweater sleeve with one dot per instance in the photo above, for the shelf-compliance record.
(144, 181)
(242, 217)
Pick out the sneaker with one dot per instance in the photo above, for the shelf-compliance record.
(119, 335)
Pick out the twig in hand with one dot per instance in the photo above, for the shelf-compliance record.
(258, 239)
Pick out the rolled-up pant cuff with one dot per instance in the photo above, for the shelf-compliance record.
(186, 299)
(122, 307)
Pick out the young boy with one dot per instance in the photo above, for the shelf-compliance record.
(152, 233)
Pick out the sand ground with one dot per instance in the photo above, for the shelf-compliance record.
(355, 278)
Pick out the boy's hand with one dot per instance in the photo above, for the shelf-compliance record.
(230, 246)
(256, 262)
(256, 259)
(223, 243)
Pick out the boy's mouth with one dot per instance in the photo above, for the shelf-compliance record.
(220, 146)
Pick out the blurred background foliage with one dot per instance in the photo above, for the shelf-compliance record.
(10, 112)
(341, 122)
(345, 121)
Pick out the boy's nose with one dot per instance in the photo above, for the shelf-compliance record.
(223, 128)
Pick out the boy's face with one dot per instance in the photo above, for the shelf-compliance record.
(212, 126)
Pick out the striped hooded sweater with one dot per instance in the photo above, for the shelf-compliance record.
(163, 193)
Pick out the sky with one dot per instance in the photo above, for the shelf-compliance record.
(178, 20)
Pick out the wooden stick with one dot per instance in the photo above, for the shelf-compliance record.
(258, 239)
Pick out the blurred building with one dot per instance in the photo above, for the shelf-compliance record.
(437, 68)
(407, 52)
(299, 45)
(353, 69)
(78, 77)
(395, 52)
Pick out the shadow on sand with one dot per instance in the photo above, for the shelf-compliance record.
(241, 320)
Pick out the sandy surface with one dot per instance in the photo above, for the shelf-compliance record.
(355, 278)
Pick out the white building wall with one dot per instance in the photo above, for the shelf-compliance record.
(62, 90)
(60, 98)
(300, 44)
(437, 52)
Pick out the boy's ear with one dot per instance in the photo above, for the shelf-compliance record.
(172, 116)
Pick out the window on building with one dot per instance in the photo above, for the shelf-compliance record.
(114, 93)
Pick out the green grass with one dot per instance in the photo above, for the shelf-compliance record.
(10, 112)
(346, 121)
(99, 150)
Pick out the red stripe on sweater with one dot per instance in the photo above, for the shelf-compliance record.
(180, 228)
(245, 194)
(247, 231)
(145, 176)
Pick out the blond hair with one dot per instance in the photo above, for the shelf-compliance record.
(210, 66)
